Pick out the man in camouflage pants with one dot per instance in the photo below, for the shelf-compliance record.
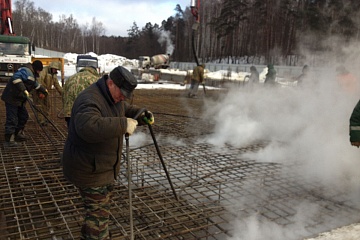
(47, 78)
(74, 85)
(101, 116)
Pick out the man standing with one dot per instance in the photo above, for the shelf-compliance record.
(74, 85)
(99, 119)
(48, 78)
(270, 76)
(253, 77)
(15, 95)
(197, 78)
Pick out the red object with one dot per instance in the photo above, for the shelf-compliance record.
(195, 11)
(41, 96)
(6, 26)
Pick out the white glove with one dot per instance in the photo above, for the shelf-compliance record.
(131, 125)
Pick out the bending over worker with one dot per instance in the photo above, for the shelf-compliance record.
(48, 78)
(197, 78)
(91, 159)
(15, 95)
(74, 85)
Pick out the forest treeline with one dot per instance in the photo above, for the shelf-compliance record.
(229, 30)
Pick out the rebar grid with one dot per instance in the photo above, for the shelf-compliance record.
(215, 185)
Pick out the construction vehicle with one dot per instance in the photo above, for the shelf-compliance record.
(156, 61)
(86, 60)
(14, 50)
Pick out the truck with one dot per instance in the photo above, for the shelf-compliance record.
(86, 60)
(156, 61)
(15, 51)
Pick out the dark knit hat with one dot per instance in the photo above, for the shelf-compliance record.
(37, 65)
(124, 80)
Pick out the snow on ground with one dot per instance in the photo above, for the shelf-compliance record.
(107, 62)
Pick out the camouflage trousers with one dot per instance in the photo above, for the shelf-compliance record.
(44, 106)
(97, 211)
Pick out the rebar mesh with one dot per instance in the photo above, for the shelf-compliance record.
(215, 184)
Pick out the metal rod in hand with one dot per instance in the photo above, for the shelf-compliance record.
(34, 107)
(162, 161)
(129, 186)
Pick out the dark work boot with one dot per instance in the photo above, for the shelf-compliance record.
(10, 140)
(20, 136)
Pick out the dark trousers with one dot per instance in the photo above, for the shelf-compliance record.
(16, 118)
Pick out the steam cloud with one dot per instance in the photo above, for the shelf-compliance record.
(308, 125)
(165, 38)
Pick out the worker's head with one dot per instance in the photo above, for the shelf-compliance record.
(203, 65)
(252, 68)
(124, 82)
(270, 66)
(37, 66)
(54, 66)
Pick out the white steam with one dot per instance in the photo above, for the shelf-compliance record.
(308, 126)
(165, 38)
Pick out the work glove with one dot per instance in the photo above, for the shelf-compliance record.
(147, 117)
(25, 94)
(43, 90)
(131, 125)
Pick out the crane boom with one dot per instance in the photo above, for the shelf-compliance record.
(6, 27)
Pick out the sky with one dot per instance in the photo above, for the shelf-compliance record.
(117, 16)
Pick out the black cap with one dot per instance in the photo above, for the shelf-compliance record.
(37, 65)
(124, 80)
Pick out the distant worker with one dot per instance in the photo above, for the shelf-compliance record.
(303, 76)
(92, 154)
(346, 80)
(271, 75)
(74, 85)
(15, 95)
(197, 78)
(354, 129)
(254, 76)
(48, 78)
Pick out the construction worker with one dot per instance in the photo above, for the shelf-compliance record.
(355, 126)
(74, 85)
(93, 148)
(270, 76)
(15, 95)
(304, 74)
(347, 81)
(254, 76)
(48, 78)
(197, 78)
